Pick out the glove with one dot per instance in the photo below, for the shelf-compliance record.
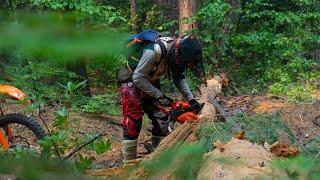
(165, 101)
(196, 106)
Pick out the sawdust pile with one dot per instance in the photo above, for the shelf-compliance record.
(283, 150)
(237, 159)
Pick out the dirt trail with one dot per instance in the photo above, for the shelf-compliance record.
(302, 119)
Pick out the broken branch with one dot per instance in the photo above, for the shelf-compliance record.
(83, 145)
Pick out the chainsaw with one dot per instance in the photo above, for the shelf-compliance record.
(182, 111)
(179, 111)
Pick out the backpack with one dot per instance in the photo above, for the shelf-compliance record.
(136, 44)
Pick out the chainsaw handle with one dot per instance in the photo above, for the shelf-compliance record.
(193, 108)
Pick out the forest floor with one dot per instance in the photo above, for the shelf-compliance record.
(302, 119)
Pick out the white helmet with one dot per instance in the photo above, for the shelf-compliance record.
(166, 41)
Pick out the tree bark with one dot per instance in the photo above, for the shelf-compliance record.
(160, 2)
(134, 15)
(187, 8)
(170, 12)
(231, 18)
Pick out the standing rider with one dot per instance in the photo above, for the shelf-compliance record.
(140, 89)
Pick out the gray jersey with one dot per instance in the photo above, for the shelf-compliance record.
(150, 69)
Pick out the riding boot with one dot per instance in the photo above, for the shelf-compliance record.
(164, 126)
(129, 150)
(155, 141)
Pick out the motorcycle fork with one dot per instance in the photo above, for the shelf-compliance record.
(3, 141)
(9, 131)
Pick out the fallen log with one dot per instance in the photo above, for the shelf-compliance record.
(178, 135)
(187, 130)
(219, 108)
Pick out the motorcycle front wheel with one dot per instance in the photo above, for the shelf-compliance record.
(22, 131)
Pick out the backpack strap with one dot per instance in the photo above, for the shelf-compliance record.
(163, 49)
(163, 54)
(177, 45)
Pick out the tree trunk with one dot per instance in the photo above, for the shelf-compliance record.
(173, 13)
(230, 19)
(187, 8)
(170, 12)
(134, 15)
(160, 2)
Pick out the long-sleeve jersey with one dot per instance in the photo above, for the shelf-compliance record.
(150, 68)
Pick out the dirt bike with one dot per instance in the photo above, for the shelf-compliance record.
(17, 129)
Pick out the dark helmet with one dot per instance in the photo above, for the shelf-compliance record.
(190, 52)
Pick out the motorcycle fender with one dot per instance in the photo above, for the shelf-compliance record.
(12, 91)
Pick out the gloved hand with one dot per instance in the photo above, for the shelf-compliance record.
(165, 101)
(196, 105)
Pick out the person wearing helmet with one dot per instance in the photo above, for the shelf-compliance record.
(164, 56)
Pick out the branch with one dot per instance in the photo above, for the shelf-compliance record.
(45, 124)
(83, 145)
(218, 107)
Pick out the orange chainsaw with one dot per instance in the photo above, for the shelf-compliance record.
(179, 111)
(182, 111)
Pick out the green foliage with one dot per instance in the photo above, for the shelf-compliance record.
(300, 167)
(313, 147)
(20, 151)
(167, 25)
(72, 91)
(182, 162)
(61, 118)
(37, 79)
(87, 11)
(156, 19)
(64, 138)
(154, 16)
(83, 162)
(258, 129)
(262, 42)
(72, 88)
(294, 92)
(100, 145)
(102, 104)
(56, 37)
(58, 141)
(30, 167)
